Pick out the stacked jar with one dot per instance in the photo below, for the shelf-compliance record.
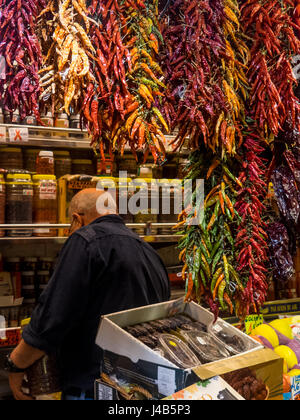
(45, 203)
(2, 203)
(19, 200)
(11, 158)
(63, 163)
(30, 158)
(45, 163)
(83, 167)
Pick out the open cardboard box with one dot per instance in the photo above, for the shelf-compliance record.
(127, 357)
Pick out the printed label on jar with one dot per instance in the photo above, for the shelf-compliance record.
(27, 192)
(2, 134)
(48, 192)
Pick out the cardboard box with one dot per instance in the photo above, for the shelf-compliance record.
(125, 356)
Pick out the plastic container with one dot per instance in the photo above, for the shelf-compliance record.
(2, 203)
(61, 121)
(43, 377)
(48, 120)
(45, 204)
(19, 203)
(206, 347)
(11, 158)
(63, 163)
(83, 167)
(177, 352)
(30, 157)
(45, 163)
(233, 343)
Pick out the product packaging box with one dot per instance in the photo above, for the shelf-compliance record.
(128, 358)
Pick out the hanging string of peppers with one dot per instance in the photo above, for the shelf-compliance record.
(129, 82)
(63, 28)
(19, 47)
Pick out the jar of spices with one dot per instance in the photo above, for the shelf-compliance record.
(45, 264)
(28, 278)
(29, 264)
(19, 200)
(2, 203)
(45, 163)
(128, 164)
(30, 158)
(48, 121)
(83, 167)
(11, 158)
(75, 124)
(63, 163)
(61, 121)
(12, 117)
(45, 204)
(29, 120)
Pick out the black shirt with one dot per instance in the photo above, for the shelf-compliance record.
(102, 268)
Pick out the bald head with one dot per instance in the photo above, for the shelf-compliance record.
(92, 203)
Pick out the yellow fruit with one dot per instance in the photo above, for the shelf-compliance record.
(267, 332)
(283, 327)
(288, 355)
(285, 367)
(294, 372)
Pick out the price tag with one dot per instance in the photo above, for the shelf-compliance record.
(2, 68)
(18, 134)
(166, 381)
(253, 321)
(2, 134)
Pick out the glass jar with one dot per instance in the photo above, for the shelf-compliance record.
(128, 164)
(29, 120)
(30, 158)
(48, 121)
(12, 265)
(148, 203)
(45, 264)
(28, 278)
(2, 203)
(11, 158)
(45, 204)
(83, 167)
(61, 121)
(106, 168)
(45, 163)
(19, 200)
(12, 117)
(63, 163)
(29, 264)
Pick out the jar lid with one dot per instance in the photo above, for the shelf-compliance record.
(43, 273)
(27, 273)
(82, 161)
(44, 177)
(19, 176)
(62, 115)
(46, 153)
(11, 149)
(61, 153)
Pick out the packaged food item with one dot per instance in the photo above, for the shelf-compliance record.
(178, 352)
(30, 157)
(11, 158)
(148, 341)
(205, 346)
(83, 167)
(19, 200)
(63, 163)
(48, 120)
(29, 264)
(45, 163)
(232, 342)
(2, 203)
(61, 121)
(45, 203)
(44, 377)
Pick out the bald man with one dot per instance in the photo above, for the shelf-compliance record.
(103, 268)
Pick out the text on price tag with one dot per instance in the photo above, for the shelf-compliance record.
(2, 134)
(18, 134)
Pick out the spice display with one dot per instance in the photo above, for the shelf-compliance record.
(45, 163)
(45, 203)
(19, 200)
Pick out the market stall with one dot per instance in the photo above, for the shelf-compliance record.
(155, 93)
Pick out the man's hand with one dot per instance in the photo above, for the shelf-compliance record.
(15, 383)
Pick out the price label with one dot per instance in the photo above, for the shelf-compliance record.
(2, 68)
(2, 134)
(18, 134)
(166, 381)
(253, 321)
